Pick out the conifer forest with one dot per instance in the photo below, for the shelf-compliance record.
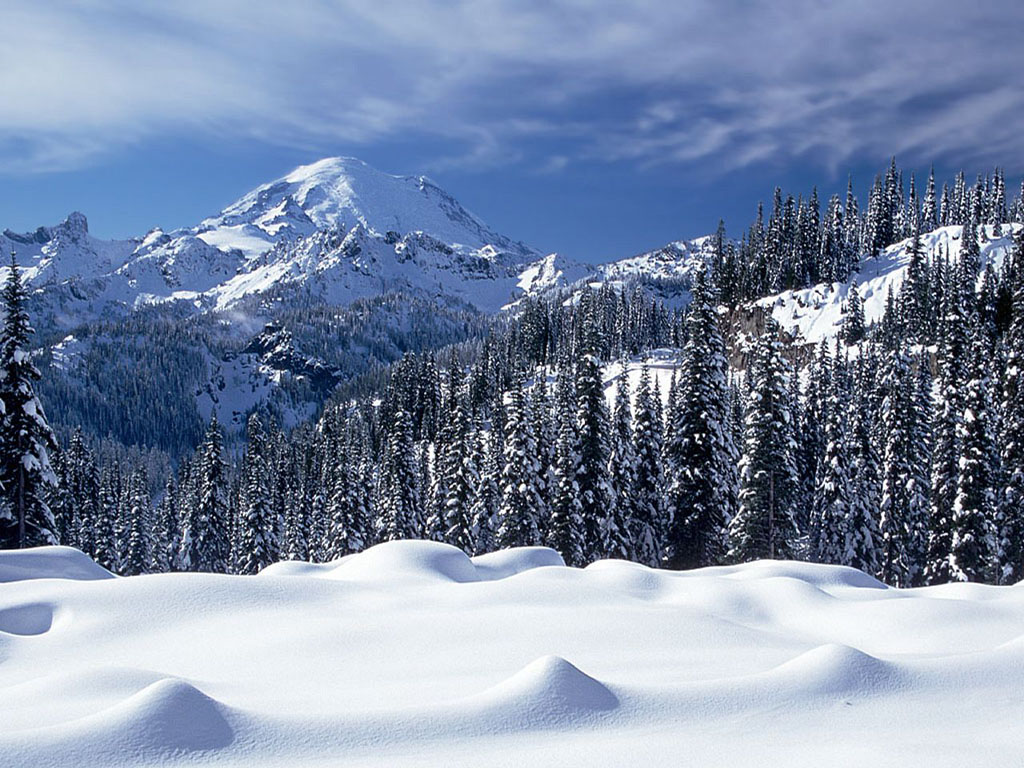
(894, 445)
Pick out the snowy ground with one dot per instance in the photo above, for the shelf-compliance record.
(411, 654)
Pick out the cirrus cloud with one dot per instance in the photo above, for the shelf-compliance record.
(726, 84)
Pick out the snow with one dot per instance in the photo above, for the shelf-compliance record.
(49, 563)
(414, 654)
(662, 364)
(816, 313)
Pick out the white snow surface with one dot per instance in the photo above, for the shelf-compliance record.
(816, 314)
(412, 654)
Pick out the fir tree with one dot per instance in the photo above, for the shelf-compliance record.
(138, 556)
(764, 526)
(205, 545)
(517, 520)
(399, 487)
(258, 529)
(622, 464)
(648, 523)
(25, 436)
(701, 462)
(596, 496)
(975, 505)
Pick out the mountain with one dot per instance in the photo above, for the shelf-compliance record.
(304, 281)
(337, 230)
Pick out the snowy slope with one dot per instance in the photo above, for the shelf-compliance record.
(413, 654)
(816, 313)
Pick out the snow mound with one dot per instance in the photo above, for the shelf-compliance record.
(550, 691)
(509, 562)
(26, 620)
(816, 574)
(49, 563)
(834, 668)
(171, 716)
(300, 568)
(407, 560)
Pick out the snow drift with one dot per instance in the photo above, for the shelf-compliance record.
(412, 653)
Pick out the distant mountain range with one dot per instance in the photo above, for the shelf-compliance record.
(337, 230)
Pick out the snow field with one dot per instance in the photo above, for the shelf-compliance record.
(414, 654)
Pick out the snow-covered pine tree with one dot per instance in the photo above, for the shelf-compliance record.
(400, 509)
(347, 514)
(565, 531)
(904, 499)
(974, 509)
(258, 528)
(596, 495)
(702, 482)
(622, 464)
(648, 523)
(487, 498)
(764, 525)
(82, 491)
(25, 435)
(853, 319)
(947, 449)
(164, 555)
(834, 501)
(460, 467)
(1011, 439)
(517, 519)
(862, 536)
(108, 516)
(139, 551)
(204, 542)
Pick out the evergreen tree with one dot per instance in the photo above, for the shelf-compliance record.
(400, 513)
(205, 545)
(622, 465)
(702, 483)
(904, 488)
(25, 436)
(138, 556)
(596, 496)
(834, 501)
(853, 319)
(648, 523)
(1011, 445)
(764, 526)
(565, 531)
(258, 528)
(517, 520)
(974, 509)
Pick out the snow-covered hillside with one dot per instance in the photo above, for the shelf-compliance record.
(816, 313)
(414, 654)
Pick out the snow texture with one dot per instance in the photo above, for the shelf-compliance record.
(412, 653)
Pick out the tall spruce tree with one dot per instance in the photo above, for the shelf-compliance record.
(764, 526)
(400, 506)
(702, 483)
(648, 523)
(974, 509)
(518, 524)
(258, 528)
(25, 436)
(205, 543)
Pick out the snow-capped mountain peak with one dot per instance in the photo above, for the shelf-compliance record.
(342, 193)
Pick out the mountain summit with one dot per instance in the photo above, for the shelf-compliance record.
(342, 193)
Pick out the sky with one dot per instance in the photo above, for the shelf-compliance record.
(594, 128)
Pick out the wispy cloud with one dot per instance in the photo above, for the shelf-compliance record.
(725, 83)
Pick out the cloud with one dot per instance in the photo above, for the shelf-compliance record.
(545, 83)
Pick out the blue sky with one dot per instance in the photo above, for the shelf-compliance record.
(594, 128)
